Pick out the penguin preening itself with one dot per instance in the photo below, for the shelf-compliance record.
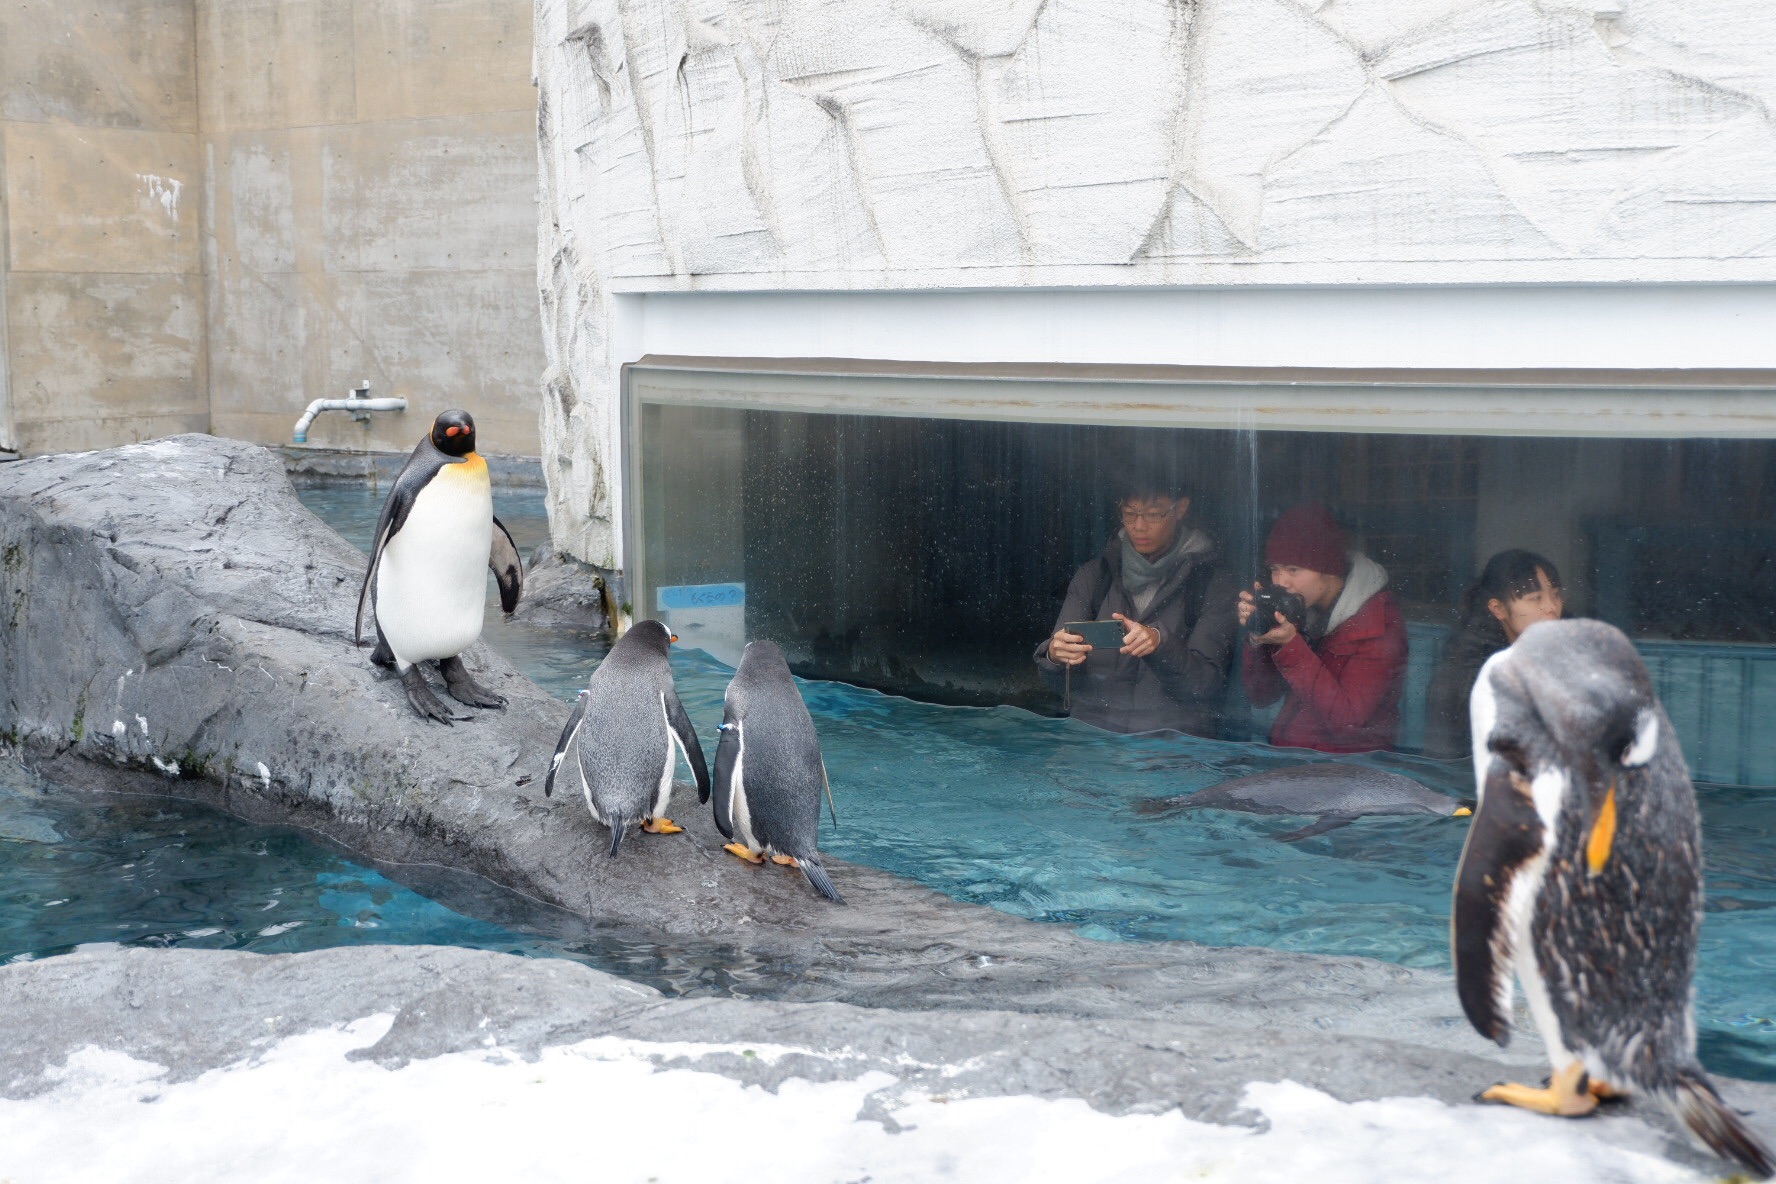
(436, 538)
(623, 731)
(1582, 876)
(768, 773)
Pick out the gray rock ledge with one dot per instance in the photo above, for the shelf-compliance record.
(192, 1010)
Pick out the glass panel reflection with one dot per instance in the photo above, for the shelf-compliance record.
(928, 557)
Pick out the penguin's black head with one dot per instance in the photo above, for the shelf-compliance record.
(652, 634)
(1573, 699)
(453, 433)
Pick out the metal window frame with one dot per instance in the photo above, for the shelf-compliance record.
(1660, 404)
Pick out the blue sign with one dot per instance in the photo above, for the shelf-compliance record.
(701, 596)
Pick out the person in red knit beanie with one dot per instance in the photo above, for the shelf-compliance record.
(1340, 675)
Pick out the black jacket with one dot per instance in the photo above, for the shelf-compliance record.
(1178, 686)
(1447, 730)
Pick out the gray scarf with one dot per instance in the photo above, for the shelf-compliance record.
(1141, 576)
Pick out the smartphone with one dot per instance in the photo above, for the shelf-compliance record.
(1100, 635)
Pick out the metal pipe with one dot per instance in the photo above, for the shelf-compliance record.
(360, 404)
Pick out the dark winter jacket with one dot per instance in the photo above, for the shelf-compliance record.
(1179, 685)
(1447, 731)
(1342, 692)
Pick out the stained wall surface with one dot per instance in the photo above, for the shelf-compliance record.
(916, 144)
(372, 210)
(215, 211)
(100, 168)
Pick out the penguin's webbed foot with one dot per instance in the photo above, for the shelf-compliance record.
(1568, 1095)
(742, 851)
(784, 860)
(463, 687)
(423, 701)
(661, 826)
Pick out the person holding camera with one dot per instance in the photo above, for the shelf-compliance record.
(1329, 640)
(1158, 580)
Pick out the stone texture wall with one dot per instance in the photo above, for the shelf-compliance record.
(217, 210)
(802, 144)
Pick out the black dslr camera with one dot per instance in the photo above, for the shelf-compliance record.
(1270, 600)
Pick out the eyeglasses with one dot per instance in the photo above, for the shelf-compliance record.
(1147, 517)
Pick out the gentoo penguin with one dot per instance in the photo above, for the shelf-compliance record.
(436, 537)
(768, 771)
(1582, 875)
(623, 730)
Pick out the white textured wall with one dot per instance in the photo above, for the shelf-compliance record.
(825, 144)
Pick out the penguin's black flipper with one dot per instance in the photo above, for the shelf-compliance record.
(816, 875)
(508, 568)
(1507, 834)
(680, 723)
(727, 759)
(567, 737)
(1326, 822)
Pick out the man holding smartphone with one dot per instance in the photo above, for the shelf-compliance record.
(1158, 584)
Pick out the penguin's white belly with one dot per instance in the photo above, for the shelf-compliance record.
(431, 588)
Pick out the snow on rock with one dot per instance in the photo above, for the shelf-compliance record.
(305, 1109)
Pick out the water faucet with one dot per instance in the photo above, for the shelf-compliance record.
(359, 403)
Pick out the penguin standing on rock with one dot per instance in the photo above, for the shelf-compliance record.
(1582, 876)
(435, 540)
(768, 771)
(623, 732)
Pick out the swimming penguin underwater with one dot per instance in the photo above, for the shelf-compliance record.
(436, 538)
(1338, 793)
(1582, 875)
(769, 776)
(623, 731)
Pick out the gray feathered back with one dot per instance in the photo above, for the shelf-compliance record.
(623, 743)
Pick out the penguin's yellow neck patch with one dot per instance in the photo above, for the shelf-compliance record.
(471, 468)
(1603, 834)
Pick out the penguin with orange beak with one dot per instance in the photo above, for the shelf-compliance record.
(1582, 879)
(435, 540)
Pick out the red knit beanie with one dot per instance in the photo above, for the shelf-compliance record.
(1307, 536)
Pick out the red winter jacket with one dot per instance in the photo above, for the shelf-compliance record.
(1343, 695)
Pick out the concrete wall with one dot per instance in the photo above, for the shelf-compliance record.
(372, 215)
(214, 211)
(101, 173)
(1156, 144)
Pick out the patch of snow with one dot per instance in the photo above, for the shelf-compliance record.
(264, 775)
(301, 1111)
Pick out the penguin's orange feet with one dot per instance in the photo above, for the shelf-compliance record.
(785, 861)
(1568, 1095)
(660, 826)
(742, 851)
(1605, 1092)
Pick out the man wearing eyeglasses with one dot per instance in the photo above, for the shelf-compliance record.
(1158, 579)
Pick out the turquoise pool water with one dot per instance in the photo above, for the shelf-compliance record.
(1030, 815)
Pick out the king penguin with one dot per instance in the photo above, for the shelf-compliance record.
(1582, 876)
(623, 731)
(436, 537)
(768, 772)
